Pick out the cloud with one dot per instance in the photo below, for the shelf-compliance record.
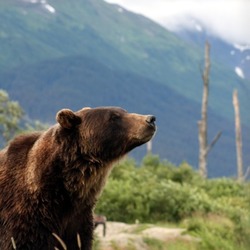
(229, 19)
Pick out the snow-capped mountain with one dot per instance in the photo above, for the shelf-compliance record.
(43, 4)
(237, 56)
(242, 54)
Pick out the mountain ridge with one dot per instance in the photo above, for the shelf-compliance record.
(176, 139)
(231, 54)
(92, 53)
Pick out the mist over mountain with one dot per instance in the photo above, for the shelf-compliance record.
(235, 56)
(57, 54)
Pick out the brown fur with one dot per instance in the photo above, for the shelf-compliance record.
(50, 181)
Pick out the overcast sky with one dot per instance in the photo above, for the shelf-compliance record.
(230, 19)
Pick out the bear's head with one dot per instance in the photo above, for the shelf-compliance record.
(106, 133)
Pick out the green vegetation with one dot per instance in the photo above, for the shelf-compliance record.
(96, 243)
(215, 211)
(153, 243)
(10, 116)
(12, 120)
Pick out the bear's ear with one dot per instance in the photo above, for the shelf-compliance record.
(68, 119)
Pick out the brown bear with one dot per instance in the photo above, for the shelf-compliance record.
(50, 181)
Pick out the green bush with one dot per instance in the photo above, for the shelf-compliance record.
(159, 191)
(223, 187)
(218, 232)
(217, 211)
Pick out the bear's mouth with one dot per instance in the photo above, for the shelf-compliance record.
(152, 126)
(147, 134)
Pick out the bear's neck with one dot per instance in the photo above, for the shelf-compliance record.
(85, 180)
(66, 172)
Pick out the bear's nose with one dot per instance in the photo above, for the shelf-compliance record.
(150, 119)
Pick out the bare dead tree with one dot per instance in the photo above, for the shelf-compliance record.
(247, 173)
(149, 147)
(238, 136)
(204, 148)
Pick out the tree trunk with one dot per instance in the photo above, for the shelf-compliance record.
(149, 147)
(202, 124)
(238, 136)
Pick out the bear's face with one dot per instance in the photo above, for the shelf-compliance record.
(107, 132)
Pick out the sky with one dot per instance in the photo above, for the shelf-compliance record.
(228, 19)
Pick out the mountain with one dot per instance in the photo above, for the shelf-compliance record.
(75, 53)
(235, 56)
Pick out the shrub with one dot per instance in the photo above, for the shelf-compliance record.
(223, 187)
(159, 191)
(217, 232)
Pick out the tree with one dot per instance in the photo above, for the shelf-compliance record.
(238, 136)
(10, 116)
(202, 124)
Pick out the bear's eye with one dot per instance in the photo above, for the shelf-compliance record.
(115, 116)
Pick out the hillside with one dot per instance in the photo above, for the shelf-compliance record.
(177, 116)
(71, 54)
(115, 37)
(235, 56)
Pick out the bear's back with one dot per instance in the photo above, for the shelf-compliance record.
(12, 163)
(17, 151)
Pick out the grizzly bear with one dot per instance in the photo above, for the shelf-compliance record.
(50, 181)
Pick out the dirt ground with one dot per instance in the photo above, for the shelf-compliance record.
(121, 236)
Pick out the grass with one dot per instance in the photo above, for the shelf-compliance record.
(96, 243)
(115, 246)
(154, 244)
(218, 232)
(130, 245)
(141, 227)
(182, 245)
(208, 232)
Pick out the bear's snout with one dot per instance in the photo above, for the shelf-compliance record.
(143, 128)
(143, 124)
(151, 120)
